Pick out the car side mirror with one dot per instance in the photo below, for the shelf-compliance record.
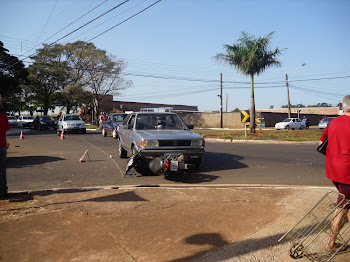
(190, 126)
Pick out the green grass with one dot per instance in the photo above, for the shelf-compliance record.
(280, 135)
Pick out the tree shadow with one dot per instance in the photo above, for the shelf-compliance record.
(24, 161)
(221, 161)
(213, 239)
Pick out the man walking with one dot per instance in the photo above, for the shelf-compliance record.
(4, 126)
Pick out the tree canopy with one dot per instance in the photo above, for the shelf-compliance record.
(250, 56)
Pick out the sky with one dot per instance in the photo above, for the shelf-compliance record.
(170, 47)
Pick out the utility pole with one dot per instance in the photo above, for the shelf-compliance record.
(288, 95)
(226, 101)
(221, 123)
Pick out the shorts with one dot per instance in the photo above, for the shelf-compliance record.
(345, 190)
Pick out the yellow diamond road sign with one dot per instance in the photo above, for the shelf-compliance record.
(244, 116)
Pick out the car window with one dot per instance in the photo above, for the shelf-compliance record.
(11, 118)
(72, 117)
(126, 120)
(118, 118)
(157, 121)
(132, 120)
(46, 118)
(286, 120)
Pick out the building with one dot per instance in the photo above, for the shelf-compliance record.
(108, 104)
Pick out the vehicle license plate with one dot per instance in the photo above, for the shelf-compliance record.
(174, 165)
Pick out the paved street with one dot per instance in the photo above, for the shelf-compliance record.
(43, 161)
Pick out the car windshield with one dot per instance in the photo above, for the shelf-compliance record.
(287, 120)
(119, 118)
(72, 117)
(159, 121)
(46, 118)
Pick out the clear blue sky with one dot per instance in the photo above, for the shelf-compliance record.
(170, 47)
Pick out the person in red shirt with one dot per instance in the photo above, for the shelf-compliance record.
(4, 126)
(338, 166)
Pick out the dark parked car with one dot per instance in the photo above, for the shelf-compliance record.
(111, 123)
(44, 122)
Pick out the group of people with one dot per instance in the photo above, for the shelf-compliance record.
(337, 162)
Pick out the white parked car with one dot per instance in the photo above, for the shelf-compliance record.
(71, 123)
(291, 123)
(12, 120)
(25, 121)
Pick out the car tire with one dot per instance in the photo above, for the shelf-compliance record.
(114, 134)
(301, 127)
(104, 133)
(122, 153)
(287, 127)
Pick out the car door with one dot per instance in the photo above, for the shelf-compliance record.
(128, 134)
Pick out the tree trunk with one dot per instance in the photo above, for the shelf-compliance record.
(252, 106)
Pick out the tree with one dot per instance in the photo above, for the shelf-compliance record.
(236, 110)
(12, 75)
(251, 56)
(98, 73)
(48, 75)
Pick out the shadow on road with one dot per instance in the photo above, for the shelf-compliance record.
(24, 161)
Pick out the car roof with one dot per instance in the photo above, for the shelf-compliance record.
(156, 113)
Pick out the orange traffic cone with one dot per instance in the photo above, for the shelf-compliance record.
(58, 132)
(21, 136)
(62, 135)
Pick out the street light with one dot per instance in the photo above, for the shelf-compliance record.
(287, 84)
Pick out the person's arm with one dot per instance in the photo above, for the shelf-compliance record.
(324, 134)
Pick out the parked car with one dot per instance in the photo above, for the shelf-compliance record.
(71, 123)
(291, 123)
(111, 123)
(12, 120)
(163, 142)
(25, 121)
(323, 124)
(44, 122)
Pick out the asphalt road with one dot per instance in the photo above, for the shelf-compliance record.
(43, 161)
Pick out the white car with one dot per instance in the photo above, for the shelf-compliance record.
(12, 120)
(71, 123)
(291, 123)
(25, 121)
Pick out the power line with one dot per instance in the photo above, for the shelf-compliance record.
(125, 20)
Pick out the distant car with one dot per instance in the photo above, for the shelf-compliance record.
(291, 123)
(71, 123)
(12, 120)
(25, 121)
(323, 124)
(44, 122)
(111, 123)
(163, 142)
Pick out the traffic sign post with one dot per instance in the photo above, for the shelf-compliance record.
(244, 119)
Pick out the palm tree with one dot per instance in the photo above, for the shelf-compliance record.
(250, 56)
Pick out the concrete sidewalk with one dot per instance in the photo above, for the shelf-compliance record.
(153, 224)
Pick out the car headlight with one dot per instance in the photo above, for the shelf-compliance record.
(153, 143)
(198, 142)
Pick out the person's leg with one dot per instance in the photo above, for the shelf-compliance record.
(3, 181)
(336, 225)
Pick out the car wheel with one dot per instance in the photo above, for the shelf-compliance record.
(121, 151)
(301, 127)
(287, 127)
(114, 134)
(104, 132)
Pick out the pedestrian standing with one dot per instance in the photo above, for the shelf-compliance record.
(338, 167)
(4, 126)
